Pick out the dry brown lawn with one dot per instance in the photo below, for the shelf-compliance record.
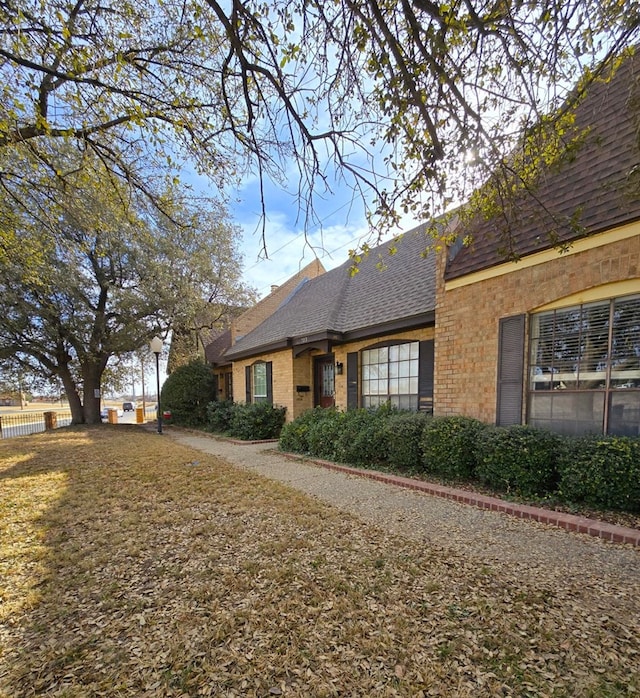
(133, 566)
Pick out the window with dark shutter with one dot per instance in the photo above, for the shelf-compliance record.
(510, 370)
(352, 380)
(260, 382)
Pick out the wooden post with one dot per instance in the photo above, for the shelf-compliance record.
(50, 420)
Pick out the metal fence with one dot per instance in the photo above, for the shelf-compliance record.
(12, 425)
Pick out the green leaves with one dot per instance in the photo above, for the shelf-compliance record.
(187, 392)
(109, 268)
(391, 95)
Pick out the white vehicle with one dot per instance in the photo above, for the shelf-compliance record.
(104, 412)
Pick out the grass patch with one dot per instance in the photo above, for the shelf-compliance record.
(133, 566)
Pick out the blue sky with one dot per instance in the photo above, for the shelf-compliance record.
(339, 225)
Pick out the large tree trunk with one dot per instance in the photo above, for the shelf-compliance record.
(92, 376)
(85, 410)
(75, 403)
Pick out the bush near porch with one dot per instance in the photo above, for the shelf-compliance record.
(597, 471)
(249, 422)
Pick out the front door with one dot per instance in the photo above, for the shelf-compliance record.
(324, 381)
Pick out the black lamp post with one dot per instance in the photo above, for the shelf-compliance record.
(156, 347)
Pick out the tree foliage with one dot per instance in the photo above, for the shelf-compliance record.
(106, 273)
(409, 102)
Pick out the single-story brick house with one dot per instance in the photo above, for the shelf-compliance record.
(347, 340)
(552, 339)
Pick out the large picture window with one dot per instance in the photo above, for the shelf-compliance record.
(585, 368)
(391, 374)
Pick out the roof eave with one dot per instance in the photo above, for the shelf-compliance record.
(257, 351)
(457, 274)
(399, 325)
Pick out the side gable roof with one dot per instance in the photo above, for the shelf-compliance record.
(214, 351)
(340, 306)
(594, 187)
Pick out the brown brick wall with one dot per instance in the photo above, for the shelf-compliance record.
(289, 372)
(466, 339)
(282, 372)
(302, 375)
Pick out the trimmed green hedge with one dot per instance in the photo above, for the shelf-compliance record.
(295, 435)
(600, 471)
(518, 459)
(449, 446)
(256, 421)
(403, 436)
(355, 437)
(361, 439)
(250, 422)
(323, 435)
(219, 414)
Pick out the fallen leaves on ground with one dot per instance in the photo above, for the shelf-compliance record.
(133, 567)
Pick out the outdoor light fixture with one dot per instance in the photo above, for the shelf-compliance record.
(339, 367)
(156, 347)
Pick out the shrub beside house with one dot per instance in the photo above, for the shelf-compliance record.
(518, 460)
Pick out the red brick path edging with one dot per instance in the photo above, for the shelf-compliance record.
(570, 522)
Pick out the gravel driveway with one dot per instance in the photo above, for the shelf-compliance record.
(492, 538)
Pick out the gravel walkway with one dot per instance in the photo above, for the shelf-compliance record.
(490, 537)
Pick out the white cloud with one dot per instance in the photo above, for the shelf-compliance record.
(289, 250)
(339, 225)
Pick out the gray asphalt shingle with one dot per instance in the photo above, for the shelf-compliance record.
(340, 302)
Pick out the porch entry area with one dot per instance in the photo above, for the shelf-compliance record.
(324, 385)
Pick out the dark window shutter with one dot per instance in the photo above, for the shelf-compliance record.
(352, 380)
(247, 378)
(228, 386)
(269, 372)
(425, 377)
(510, 370)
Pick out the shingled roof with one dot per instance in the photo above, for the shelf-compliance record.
(214, 351)
(342, 307)
(597, 187)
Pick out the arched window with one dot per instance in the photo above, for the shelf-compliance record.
(259, 382)
(390, 374)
